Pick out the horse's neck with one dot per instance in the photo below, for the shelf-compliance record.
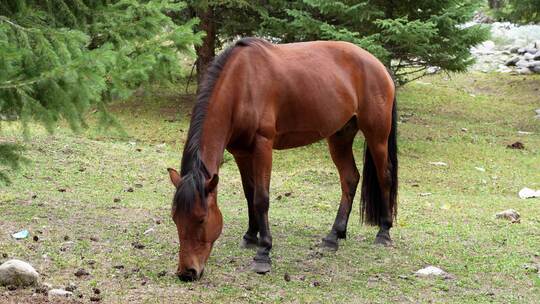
(215, 135)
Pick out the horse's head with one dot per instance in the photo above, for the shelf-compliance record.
(198, 221)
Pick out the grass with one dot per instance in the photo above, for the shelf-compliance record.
(74, 197)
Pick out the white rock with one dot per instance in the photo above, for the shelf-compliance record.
(59, 293)
(528, 56)
(480, 169)
(432, 271)
(509, 214)
(18, 273)
(522, 64)
(528, 193)
(537, 111)
(439, 163)
(524, 71)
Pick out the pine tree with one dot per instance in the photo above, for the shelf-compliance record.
(409, 36)
(222, 21)
(60, 58)
(520, 11)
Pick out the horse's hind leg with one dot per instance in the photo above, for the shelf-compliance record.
(245, 167)
(340, 146)
(378, 152)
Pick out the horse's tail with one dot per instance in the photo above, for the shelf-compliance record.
(371, 197)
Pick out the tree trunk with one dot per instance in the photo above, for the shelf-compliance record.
(207, 50)
(494, 4)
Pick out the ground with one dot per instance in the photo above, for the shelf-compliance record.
(89, 198)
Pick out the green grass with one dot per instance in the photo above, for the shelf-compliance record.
(453, 228)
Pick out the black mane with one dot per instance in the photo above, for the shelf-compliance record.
(193, 171)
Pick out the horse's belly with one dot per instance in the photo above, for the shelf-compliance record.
(296, 139)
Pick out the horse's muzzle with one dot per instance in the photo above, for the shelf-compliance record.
(189, 275)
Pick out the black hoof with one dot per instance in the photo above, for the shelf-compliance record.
(341, 234)
(383, 239)
(248, 243)
(329, 244)
(261, 265)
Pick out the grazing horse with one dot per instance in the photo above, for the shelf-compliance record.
(258, 96)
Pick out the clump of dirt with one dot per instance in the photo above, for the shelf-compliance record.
(517, 145)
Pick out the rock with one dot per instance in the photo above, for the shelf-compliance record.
(439, 163)
(522, 63)
(528, 193)
(536, 56)
(522, 51)
(534, 63)
(59, 293)
(287, 277)
(432, 271)
(18, 273)
(510, 214)
(524, 71)
(504, 69)
(528, 56)
(512, 61)
(531, 50)
(514, 49)
(536, 69)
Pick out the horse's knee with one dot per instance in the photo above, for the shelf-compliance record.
(261, 201)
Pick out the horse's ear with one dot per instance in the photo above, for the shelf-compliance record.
(211, 184)
(175, 177)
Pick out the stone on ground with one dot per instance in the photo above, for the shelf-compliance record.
(432, 271)
(60, 293)
(18, 273)
(510, 214)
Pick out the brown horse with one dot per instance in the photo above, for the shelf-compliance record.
(258, 96)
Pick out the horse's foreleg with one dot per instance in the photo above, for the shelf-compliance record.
(340, 146)
(245, 167)
(262, 168)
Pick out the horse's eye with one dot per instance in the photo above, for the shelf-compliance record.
(201, 221)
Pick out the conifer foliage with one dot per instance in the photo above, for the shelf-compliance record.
(409, 36)
(60, 58)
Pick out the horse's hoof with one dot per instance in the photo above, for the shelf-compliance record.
(383, 240)
(329, 244)
(248, 244)
(261, 267)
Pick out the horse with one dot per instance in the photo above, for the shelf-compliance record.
(257, 96)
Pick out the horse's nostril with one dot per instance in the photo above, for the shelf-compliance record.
(192, 272)
(188, 275)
